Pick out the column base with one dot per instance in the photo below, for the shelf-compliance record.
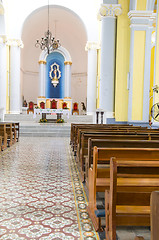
(109, 117)
(14, 112)
(109, 114)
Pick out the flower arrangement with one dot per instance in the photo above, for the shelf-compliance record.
(43, 120)
(60, 121)
(65, 108)
(37, 107)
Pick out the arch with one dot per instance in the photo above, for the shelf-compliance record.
(70, 37)
(58, 91)
(64, 89)
(65, 53)
(36, 11)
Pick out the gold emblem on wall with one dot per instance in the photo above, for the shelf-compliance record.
(55, 74)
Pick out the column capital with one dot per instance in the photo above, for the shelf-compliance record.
(41, 97)
(15, 43)
(142, 18)
(92, 46)
(42, 62)
(68, 63)
(110, 10)
(3, 39)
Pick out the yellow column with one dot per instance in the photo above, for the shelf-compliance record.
(141, 5)
(140, 65)
(151, 78)
(138, 75)
(156, 99)
(122, 63)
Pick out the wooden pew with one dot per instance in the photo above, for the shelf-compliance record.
(125, 131)
(154, 215)
(76, 125)
(120, 131)
(3, 134)
(17, 130)
(102, 127)
(128, 200)
(84, 135)
(139, 238)
(99, 178)
(9, 132)
(86, 155)
(10, 135)
(0, 143)
(77, 139)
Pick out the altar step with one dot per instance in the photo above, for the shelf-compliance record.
(45, 130)
(29, 118)
(30, 127)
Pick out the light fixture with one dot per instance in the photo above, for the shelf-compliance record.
(48, 42)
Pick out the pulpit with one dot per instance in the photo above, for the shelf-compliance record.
(31, 107)
(53, 104)
(75, 108)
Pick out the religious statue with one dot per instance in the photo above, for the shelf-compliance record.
(24, 103)
(55, 74)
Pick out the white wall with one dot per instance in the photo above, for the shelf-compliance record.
(79, 88)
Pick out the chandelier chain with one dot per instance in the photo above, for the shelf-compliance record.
(48, 42)
(48, 15)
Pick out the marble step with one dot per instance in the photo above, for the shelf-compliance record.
(29, 118)
(45, 134)
(30, 126)
(45, 130)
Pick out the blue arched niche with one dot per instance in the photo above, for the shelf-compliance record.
(58, 91)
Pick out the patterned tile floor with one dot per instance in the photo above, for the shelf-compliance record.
(41, 196)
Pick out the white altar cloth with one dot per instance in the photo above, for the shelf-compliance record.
(49, 111)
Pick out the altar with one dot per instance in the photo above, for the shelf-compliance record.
(44, 112)
(60, 101)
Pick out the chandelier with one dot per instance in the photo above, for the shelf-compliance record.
(48, 42)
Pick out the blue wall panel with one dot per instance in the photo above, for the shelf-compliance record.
(58, 91)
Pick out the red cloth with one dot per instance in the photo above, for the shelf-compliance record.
(53, 104)
(64, 105)
(75, 106)
(31, 105)
(42, 105)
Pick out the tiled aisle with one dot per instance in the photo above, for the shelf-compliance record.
(37, 194)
